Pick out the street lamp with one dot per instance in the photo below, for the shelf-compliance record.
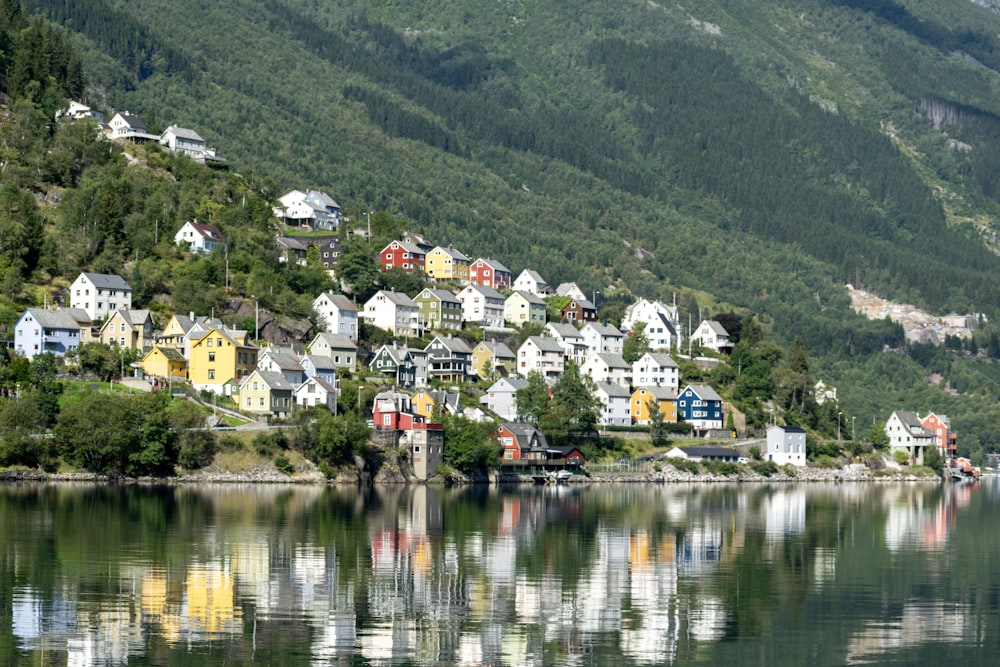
(854, 435)
(838, 426)
(368, 214)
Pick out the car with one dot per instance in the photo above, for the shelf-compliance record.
(743, 459)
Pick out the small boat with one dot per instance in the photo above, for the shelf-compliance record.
(553, 477)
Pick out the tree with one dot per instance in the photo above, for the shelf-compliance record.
(636, 343)
(657, 425)
(878, 437)
(533, 400)
(357, 267)
(575, 408)
(470, 446)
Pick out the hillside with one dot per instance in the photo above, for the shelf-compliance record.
(753, 156)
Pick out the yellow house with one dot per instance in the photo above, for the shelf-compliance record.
(266, 392)
(422, 403)
(447, 264)
(131, 329)
(219, 355)
(664, 396)
(496, 358)
(164, 362)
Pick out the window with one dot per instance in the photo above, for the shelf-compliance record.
(211, 374)
(211, 356)
(248, 402)
(388, 256)
(261, 401)
(123, 341)
(121, 327)
(209, 343)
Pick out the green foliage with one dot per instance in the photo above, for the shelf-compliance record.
(755, 452)
(765, 468)
(283, 465)
(657, 426)
(470, 446)
(636, 343)
(901, 457)
(685, 465)
(933, 458)
(722, 468)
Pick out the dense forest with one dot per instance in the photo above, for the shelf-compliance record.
(750, 158)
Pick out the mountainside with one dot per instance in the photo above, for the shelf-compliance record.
(755, 155)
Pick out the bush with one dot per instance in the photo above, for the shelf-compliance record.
(789, 470)
(723, 468)
(684, 465)
(902, 457)
(283, 465)
(197, 449)
(269, 442)
(229, 443)
(765, 468)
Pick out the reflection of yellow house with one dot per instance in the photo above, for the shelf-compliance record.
(665, 397)
(211, 601)
(220, 355)
(496, 358)
(131, 329)
(447, 264)
(164, 362)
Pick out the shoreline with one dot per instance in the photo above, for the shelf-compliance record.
(266, 475)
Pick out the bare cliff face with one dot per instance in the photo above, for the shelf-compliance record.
(275, 329)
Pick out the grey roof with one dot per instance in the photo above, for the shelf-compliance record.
(107, 281)
(704, 392)
(285, 359)
(790, 429)
(545, 344)
(289, 242)
(565, 331)
(488, 292)
(339, 341)
(341, 301)
(55, 319)
(494, 264)
(523, 432)
(442, 295)
(564, 288)
(663, 359)
(320, 362)
(604, 329)
(710, 451)
(329, 388)
(408, 247)
(515, 383)
(133, 121)
(534, 276)
(585, 304)
(613, 389)
(613, 360)
(135, 317)
(457, 254)
(184, 133)
(912, 423)
(321, 200)
(716, 328)
(500, 350)
(529, 297)
(668, 324)
(397, 298)
(273, 380)
(660, 393)
(452, 344)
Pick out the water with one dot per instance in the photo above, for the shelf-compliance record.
(817, 574)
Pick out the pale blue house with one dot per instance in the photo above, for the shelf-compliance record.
(38, 331)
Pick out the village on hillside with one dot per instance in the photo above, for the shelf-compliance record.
(416, 385)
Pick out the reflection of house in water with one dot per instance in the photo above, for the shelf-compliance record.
(699, 549)
(784, 513)
(653, 594)
(916, 519)
(921, 622)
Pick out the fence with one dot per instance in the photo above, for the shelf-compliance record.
(622, 466)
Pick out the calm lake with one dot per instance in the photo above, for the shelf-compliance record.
(819, 574)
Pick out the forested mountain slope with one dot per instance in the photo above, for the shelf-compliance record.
(755, 155)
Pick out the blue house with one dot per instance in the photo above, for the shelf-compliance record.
(320, 366)
(700, 406)
(57, 331)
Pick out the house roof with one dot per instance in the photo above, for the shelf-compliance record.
(338, 341)
(450, 343)
(659, 393)
(716, 328)
(134, 122)
(529, 297)
(286, 360)
(613, 360)
(58, 319)
(184, 133)
(291, 243)
(523, 433)
(665, 321)
(341, 301)
(320, 362)
(503, 384)
(170, 353)
(704, 392)
(788, 429)
(319, 199)
(565, 288)
(913, 423)
(442, 295)
(397, 298)
(455, 254)
(327, 387)
(534, 275)
(661, 358)
(494, 264)
(564, 331)
(613, 389)
(134, 318)
(107, 281)
(706, 452)
(272, 379)
(544, 343)
(584, 304)
(407, 246)
(207, 231)
(499, 350)
(488, 292)
(605, 330)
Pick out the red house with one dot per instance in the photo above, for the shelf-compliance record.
(489, 273)
(521, 442)
(941, 428)
(402, 255)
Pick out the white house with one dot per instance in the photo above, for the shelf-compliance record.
(614, 400)
(607, 367)
(569, 337)
(314, 209)
(126, 127)
(100, 294)
(392, 311)
(542, 354)
(501, 397)
(663, 327)
(601, 337)
(713, 336)
(572, 290)
(338, 313)
(199, 237)
(183, 140)
(530, 281)
(786, 445)
(656, 369)
(284, 361)
(482, 306)
(316, 391)
(907, 433)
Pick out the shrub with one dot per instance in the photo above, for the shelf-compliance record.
(789, 470)
(283, 465)
(692, 467)
(269, 442)
(723, 468)
(902, 457)
(765, 468)
(197, 449)
(229, 443)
